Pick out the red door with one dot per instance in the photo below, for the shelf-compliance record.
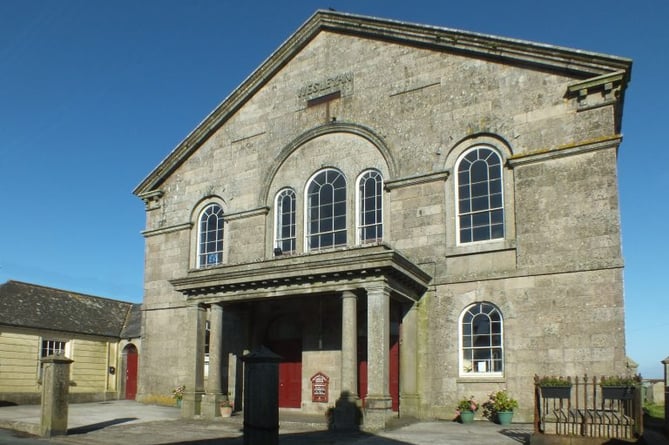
(394, 371)
(131, 373)
(290, 372)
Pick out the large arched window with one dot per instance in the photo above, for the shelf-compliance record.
(480, 196)
(284, 236)
(326, 210)
(370, 207)
(481, 340)
(210, 236)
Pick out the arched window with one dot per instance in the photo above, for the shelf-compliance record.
(370, 207)
(480, 196)
(210, 236)
(326, 210)
(481, 340)
(284, 236)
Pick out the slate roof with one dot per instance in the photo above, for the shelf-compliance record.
(32, 306)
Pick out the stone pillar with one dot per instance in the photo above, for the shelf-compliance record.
(346, 415)
(261, 397)
(409, 363)
(194, 332)
(378, 404)
(665, 362)
(55, 388)
(349, 345)
(212, 398)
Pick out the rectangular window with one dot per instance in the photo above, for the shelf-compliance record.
(52, 347)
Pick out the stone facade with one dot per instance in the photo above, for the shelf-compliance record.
(353, 94)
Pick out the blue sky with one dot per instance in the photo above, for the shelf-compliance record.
(93, 95)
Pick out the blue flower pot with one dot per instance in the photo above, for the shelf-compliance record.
(504, 417)
(466, 416)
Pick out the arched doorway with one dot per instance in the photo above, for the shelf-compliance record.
(284, 337)
(130, 361)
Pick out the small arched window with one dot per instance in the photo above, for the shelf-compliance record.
(481, 340)
(210, 236)
(326, 210)
(480, 196)
(284, 236)
(370, 207)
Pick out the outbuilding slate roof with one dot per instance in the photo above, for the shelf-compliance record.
(32, 306)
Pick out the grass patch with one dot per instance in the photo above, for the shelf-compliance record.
(654, 410)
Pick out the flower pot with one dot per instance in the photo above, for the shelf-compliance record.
(466, 416)
(504, 417)
(618, 392)
(555, 392)
(178, 403)
(226, 410)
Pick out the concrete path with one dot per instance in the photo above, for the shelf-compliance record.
(128, 422)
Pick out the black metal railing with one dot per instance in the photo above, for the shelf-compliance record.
(587, 408)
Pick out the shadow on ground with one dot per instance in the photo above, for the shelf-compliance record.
(98, 426)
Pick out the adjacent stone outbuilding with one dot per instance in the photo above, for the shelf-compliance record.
(417, 213)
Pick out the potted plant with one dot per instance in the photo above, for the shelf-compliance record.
(178, 394)
(555, 387)
(618, 388)
(226, 406)
(465, 410)
(499, 407)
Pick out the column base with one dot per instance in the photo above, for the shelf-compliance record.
(409, 405)
(210, 406)
(378, 410)
(191, 405)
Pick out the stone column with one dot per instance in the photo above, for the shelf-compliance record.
(409, 362)
(211, 400)
(349, 345)
(378, 404)
(346, 415)
(55, 388)
(194, 339)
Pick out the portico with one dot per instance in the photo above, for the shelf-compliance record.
(375, 277)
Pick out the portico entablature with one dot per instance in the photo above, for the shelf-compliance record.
(324, 272)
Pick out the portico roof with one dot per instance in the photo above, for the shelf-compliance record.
(313, 273)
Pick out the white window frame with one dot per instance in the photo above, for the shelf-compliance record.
(307, 215)
(279, 239)
(360, 208)
(490, 208)
(219, 238)
(480, 368)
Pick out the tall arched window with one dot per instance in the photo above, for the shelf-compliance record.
(370, 207)
(210, 236)
(481, 340)
(326, 210)
(284, 236)
(480, 196)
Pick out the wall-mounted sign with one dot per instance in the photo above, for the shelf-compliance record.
(320, 385)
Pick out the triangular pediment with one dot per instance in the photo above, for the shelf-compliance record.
(579, 64)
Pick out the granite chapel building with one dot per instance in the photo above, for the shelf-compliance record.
(406, 214)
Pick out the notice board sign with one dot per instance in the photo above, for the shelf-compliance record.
(320, 385)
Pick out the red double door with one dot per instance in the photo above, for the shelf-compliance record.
(393, 372)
